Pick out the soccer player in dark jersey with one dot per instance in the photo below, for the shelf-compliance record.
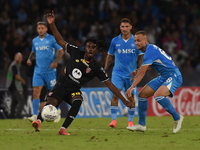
(80, 69)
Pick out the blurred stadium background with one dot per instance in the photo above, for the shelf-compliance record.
(173, 25)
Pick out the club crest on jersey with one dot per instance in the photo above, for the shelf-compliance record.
(119, 51)
(77, 60)
(88, 70)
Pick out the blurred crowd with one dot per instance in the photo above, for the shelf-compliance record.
(173, 25)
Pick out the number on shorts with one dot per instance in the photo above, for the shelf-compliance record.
(53, 82)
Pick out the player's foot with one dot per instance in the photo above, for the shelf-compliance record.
(32, 118)
(62, 131)
(137, 127)
(36, 124)
(130, 123)
(58, 116)
(113, 124)
(177, 124)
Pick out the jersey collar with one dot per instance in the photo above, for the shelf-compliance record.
(120, 36)
(147, 46)
(86, 60)
(45, 36)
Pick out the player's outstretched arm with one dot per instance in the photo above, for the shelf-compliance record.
(139, 76)
(59, 39)
(113, 88)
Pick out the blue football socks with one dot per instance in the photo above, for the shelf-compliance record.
(142, 110)
(114, 110)
(36, 105)
(131, 113)
(166, 104)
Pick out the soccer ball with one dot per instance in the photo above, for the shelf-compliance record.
(49, 113)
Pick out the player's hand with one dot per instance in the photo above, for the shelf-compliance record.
(29, 63)
(54, 65)
(129, 92)
(133, 75)
(129, 104)
(50, 17)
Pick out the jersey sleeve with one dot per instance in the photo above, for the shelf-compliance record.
(139, 52)
(149, 58)
(55, 44)
(101, 74)
(71, 49)
(111, 50)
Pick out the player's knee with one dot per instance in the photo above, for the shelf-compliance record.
(157, 93)
(77, 102)
(114, 102)
(114, 99)
(53, 101)
(36, 94)
(142, 94)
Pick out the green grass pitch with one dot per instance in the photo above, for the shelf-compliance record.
(95, 134)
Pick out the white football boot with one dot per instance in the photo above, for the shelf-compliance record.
(177, 124)
(32, 118)
(137, 127)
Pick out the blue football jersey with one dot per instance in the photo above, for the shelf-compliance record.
(160, 61)
(45, 50)
(125, 53)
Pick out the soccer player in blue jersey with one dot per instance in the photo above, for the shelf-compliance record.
(166, 84)
(126, 54)
(44, 46)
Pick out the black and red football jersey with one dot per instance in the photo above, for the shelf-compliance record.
(78, 71)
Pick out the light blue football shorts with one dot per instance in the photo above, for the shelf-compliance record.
(173, 82)
(123, 83)
(48, 78)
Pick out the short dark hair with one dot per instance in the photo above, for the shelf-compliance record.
(126, 20)
(42, 23)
